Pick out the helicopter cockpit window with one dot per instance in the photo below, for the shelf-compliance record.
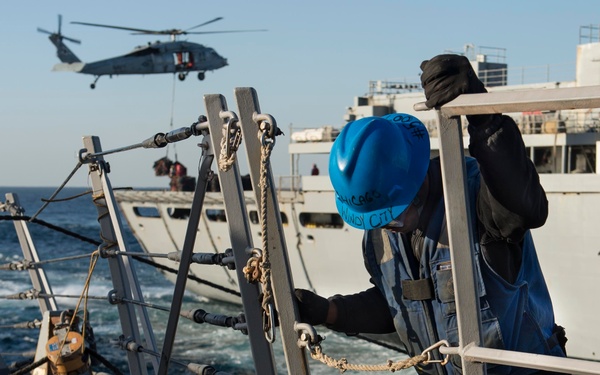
(183, 59)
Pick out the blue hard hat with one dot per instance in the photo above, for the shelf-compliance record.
(376, 166)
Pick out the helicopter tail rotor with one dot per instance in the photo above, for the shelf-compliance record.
(58, 35)
(62, 51)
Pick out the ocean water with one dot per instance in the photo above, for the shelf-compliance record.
(223, 348)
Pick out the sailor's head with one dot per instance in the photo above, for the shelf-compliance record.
(377, 166)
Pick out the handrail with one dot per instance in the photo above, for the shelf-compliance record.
(537, 361)
(521, 101)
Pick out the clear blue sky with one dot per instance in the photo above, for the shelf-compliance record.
(316, 57)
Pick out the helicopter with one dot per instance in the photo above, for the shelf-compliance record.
(174, 56)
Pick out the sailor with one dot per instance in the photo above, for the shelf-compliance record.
(314, 171)
(386, 184)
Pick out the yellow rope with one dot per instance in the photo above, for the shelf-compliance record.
(84, 296)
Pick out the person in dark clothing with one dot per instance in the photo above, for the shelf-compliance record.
(386, 185)
(314, 171)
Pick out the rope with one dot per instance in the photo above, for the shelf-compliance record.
(225, 161)
(298, 247)
(84, 295)
(310, 340)
(77, 166)
(172, 116)
(50, 226)
(265, 264)
(28, 368)
(191, 277)
(87, 192)
(343, 365)
(258, 267)
(24, 325)
(115, 370)
(26, 264)
(49, 200)
(97, 243)
(232, 138)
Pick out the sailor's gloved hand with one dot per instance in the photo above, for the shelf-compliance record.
(312, 307)
(445, 77)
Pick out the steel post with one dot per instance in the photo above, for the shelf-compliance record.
(241, 239)
(37, 274)
(186, 256)
(283, 285)
(460, 236)
(122, 272)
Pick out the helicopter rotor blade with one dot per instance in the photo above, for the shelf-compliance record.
(224, 31)
(171, 32)
(160, 32)
(44, 31)
(141, 31)
(205, 23)
(71, 39)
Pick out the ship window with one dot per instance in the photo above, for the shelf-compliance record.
(582, 159)
(178, 213)
(216, 215)
(255, 220)
(545, 160)
(146, 212)
(321, 220)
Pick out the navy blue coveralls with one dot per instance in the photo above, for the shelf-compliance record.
(413, 293)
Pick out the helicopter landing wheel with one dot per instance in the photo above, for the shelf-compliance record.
(93, 84)
(181, 76)
(201, 76)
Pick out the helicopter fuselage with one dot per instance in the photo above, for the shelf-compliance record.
(178, 57)
(159, 57)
